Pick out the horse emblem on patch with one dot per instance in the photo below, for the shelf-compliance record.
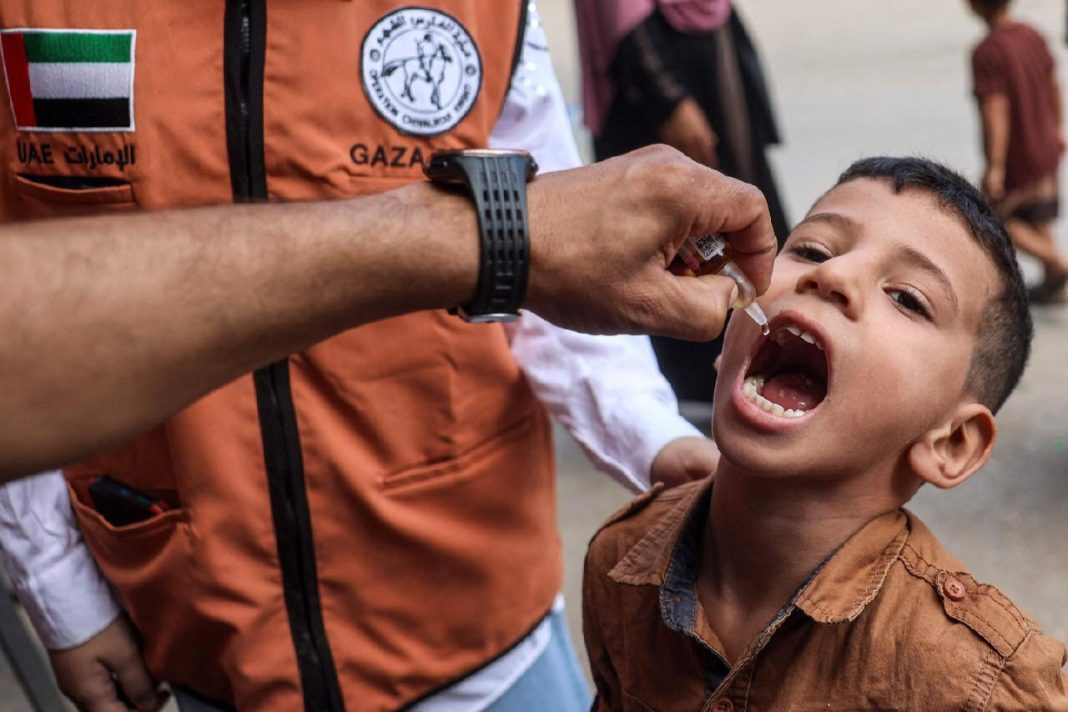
(421, 70)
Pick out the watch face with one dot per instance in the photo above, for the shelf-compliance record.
(441, 167)
(485, 152)
(487, 318)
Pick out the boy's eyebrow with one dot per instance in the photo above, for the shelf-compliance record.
(911, 255)
(839, 221)
(923, 262)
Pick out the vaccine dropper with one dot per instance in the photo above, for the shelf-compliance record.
(697, 254)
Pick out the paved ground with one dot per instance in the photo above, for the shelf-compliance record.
(854, 79)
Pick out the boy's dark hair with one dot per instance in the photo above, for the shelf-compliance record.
(1004, 339)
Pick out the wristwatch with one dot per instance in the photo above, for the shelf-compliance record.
(497, 181)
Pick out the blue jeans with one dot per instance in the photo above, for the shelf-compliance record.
(553, 682)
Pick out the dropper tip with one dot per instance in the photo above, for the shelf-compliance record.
(757, 314)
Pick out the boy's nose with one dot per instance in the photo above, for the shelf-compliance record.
(835, 282)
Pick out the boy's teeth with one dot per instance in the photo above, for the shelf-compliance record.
(803, 335)
(751, 390)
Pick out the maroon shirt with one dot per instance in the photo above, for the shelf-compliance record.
(1015, 61)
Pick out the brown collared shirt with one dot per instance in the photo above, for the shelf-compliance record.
(891, 621)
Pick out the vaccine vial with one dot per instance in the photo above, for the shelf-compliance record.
(706, 254)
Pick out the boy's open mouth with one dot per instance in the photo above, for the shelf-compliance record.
(787, 375)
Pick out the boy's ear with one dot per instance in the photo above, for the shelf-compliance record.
(947, 455)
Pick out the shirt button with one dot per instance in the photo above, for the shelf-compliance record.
(954, 589)
(723, 705)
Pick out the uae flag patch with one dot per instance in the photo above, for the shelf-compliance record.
(70, 80)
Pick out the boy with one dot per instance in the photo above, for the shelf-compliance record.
(1019, 98)
(793, 579)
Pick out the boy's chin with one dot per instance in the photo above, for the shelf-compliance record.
(794, 455)
(815, 454)
(756, 461)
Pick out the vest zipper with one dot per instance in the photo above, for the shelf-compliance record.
(244, 51)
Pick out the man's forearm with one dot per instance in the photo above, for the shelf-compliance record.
(994, 113)
(125, 319)
(111, 324)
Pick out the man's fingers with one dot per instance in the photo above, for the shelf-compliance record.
(135, 681)
(110, 705)
(698, 307)
(95, 692)
(106, 673)
(602, 236)
(683, 460)
(740, 212)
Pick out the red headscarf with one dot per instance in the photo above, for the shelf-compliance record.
(603, 23)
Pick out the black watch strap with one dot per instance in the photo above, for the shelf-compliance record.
(497, 184)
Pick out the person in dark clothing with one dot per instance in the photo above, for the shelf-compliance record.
(684, 73)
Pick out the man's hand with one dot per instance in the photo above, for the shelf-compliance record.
(97, 674)
(684, 460)
(688, 130)
(602, 238)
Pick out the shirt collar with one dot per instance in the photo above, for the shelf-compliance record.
(839, 590)
(667, 556)
(647, 561)
(853, 576)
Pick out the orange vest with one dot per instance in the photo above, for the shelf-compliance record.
(374, 518)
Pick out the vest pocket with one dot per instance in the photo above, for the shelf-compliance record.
(149, 563)
(142, 545)
(461, 467)
(142, 528)
(44, 196)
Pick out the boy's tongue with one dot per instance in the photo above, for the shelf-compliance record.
(794, 390)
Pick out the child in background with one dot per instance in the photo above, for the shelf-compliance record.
(794, 579)
(1019, 97)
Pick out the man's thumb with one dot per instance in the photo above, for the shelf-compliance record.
(701, 305)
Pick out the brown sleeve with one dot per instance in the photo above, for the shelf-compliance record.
(988, 71)
(1033, 678)
(604, 674)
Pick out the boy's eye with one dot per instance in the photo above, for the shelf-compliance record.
(908, 298)
(810, 252)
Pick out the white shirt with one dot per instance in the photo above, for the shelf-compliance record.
(607, 391)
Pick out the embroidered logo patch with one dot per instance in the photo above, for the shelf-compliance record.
(421, 70)
(70, 80)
